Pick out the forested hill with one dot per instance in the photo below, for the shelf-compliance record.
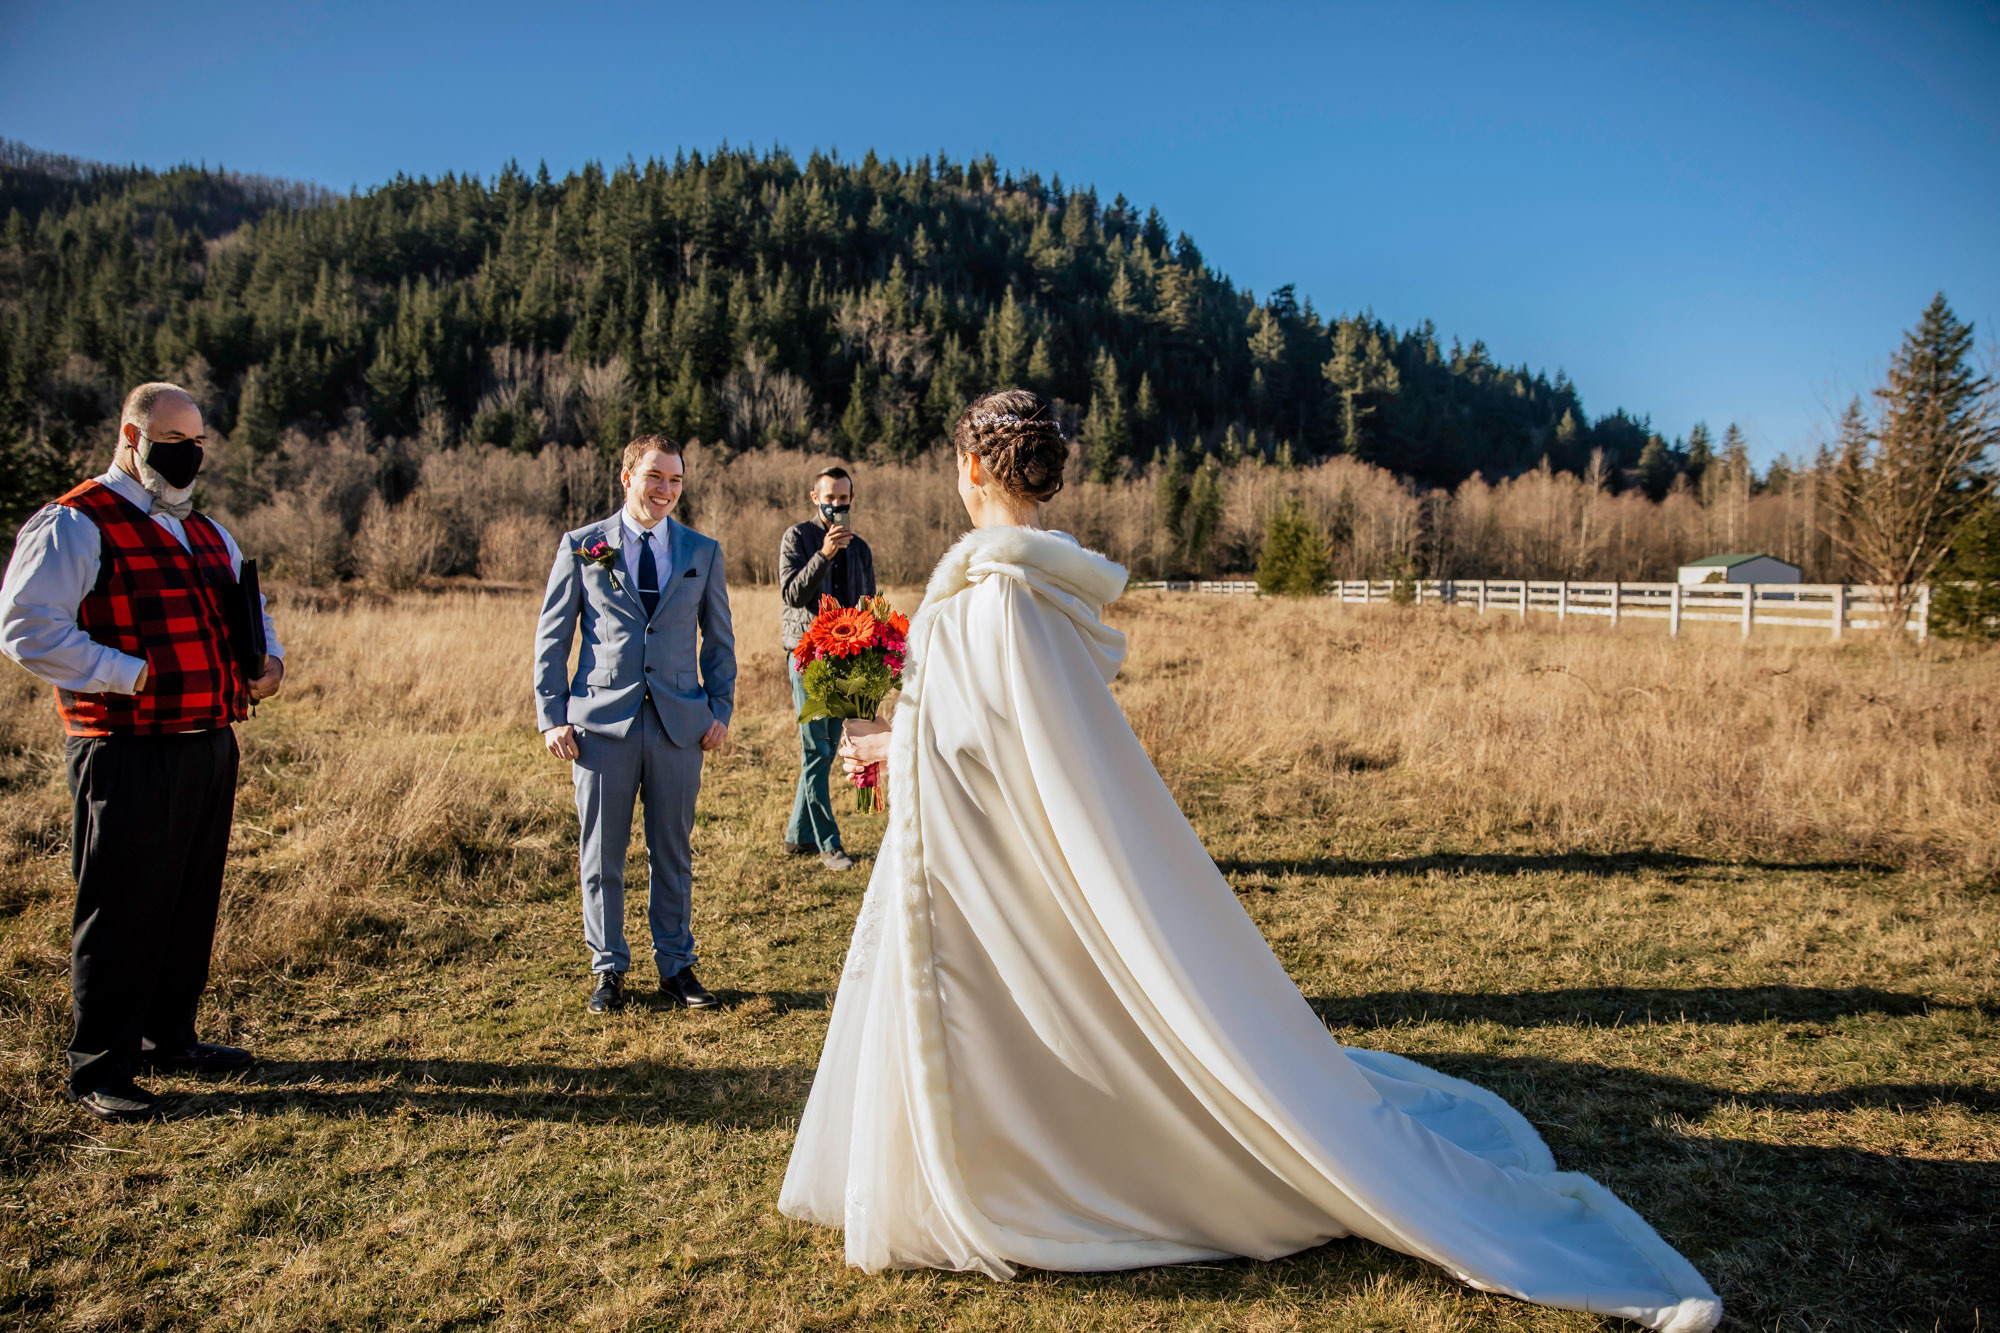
(741, 297)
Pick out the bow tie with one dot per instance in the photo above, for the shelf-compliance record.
(174, 510)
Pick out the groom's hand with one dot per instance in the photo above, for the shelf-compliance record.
(713, 738)
(561, 742)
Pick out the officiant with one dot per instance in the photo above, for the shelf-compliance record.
(819, 557)
(119, 595)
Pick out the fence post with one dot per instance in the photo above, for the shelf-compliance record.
(1617, 595)
(1420, 590)
(1367, 590)
(1924, 614)
(1839, 610)
(1482, 597)
(1562, 601)
(1749, 602)
(1674, 613)
(1524, 601)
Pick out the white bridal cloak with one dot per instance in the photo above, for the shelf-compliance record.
(1059, 1041)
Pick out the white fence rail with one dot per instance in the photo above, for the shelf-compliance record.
(1831, 607)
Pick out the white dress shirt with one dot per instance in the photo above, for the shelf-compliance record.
(628, 554)
(53, 569)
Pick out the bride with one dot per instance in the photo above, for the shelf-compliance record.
(1060, 1042)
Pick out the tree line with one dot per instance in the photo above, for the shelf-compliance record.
(739, 299)
(743, 301)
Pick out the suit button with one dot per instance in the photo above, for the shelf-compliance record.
(649, 671)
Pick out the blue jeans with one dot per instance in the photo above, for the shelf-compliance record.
(812, 812)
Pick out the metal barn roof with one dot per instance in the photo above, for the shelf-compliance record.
(1731, 561)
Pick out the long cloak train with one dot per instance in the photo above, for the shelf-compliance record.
(1060, 1042)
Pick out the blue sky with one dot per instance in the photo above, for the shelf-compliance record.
(1719, 212)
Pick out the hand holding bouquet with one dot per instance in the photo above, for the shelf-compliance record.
(850, 660)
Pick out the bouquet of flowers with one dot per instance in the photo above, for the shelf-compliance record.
(850, 660)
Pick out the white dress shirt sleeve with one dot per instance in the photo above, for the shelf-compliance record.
(54, 567)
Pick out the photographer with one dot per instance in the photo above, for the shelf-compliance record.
(820, 557)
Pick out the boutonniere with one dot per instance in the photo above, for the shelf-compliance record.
(605, 556)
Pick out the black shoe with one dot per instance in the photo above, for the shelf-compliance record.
(682, 988)
(121, 1103)
(203, 1057)
(609, 997)
(800, 849)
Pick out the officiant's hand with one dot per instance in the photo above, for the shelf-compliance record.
(561, 742)
(267, 684)
(713, 738)
(862, 746)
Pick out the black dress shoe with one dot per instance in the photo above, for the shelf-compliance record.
(609, 997)
(682, 988)
(203, 1057)
(121, 1103)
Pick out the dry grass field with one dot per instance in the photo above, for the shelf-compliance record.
(1722, 921)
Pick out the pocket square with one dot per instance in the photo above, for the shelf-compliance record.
(688, 575)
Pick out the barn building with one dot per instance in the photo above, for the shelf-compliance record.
(1754, 568)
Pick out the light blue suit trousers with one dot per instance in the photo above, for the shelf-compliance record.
(644, 690)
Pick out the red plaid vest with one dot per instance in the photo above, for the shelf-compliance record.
(156, 599)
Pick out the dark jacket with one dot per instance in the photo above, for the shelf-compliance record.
(804, 574)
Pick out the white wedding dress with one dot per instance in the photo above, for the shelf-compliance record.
(1060, 1042)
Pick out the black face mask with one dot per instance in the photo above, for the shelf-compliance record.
(177, 461)
(836, 515)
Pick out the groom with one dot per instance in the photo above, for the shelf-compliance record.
(640, 710)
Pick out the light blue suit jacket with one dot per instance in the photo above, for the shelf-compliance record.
(625, 654)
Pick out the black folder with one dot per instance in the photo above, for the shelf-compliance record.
(243, 609)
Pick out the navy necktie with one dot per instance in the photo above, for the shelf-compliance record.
(649, 575)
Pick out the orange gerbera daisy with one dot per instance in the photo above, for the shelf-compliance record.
(846, 632)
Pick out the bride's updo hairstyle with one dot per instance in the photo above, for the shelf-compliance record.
(1016, 438)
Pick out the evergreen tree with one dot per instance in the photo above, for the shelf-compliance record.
(1736, 456)
(1170, 494)
(857, 423)
(1700, 454)
(1965, 602)
(1656, 469)
(1041, 367)
(1294, 560)
(1203, 517)
(1145, 414)
(1923, 471)
(1232, 446)
(1104, 427)
(1010, 344)
(1361, 374)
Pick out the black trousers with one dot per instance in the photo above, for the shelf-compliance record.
(150, 833)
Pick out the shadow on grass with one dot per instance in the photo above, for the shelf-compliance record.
(1831, 1236)
(1788, 1234)
(1596, 864)
(639, 1092)
(781, 1001)
(1613, 1006)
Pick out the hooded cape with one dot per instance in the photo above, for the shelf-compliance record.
(1060, 1042)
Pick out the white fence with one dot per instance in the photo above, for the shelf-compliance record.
(1833, 608)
